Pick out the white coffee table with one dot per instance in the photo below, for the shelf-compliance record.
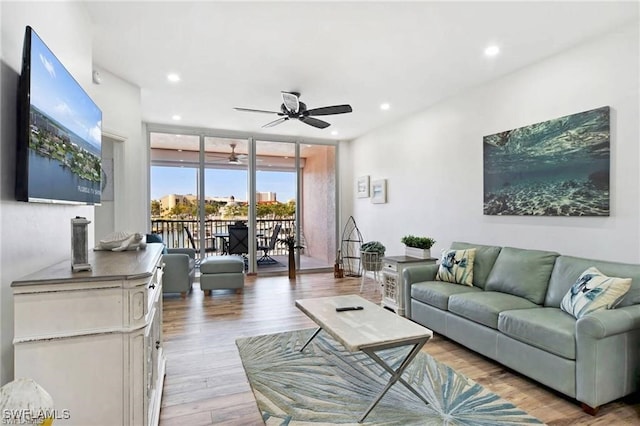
(368, 330)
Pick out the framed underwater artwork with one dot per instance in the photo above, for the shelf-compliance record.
(558, 167)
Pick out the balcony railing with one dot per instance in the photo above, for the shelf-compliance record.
(174, 232)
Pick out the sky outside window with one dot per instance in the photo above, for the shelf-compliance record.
(220, 183)
(55, 92)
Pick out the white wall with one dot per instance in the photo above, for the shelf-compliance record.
(346, 181)
(434, 160)
(33, 236)
(121, 115)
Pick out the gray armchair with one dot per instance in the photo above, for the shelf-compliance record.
(179, 270)
(179, 267)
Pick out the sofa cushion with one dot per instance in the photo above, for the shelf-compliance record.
(485, 258)
(567, 270)
(549, 329)
(522, 272)
(456, 266)
(484, 307)
(594, 291)
(436, 293)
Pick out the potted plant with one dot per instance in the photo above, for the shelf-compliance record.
(419, 247)
(371, 254)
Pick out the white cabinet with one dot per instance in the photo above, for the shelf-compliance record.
(392, 286)
(93, 339)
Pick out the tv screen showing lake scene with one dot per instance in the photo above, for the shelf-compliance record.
(558, 167)
(65, 134)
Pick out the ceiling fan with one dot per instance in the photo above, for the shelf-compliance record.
(233, 158)
(292, 108)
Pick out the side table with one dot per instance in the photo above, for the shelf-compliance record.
(392, 286)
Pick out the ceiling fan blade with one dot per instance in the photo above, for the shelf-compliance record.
(336, 109)
(216, 158)
(315, 122)
(257, 110)
(291, 101)
(275, 122)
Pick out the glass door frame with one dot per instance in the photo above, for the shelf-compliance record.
(202, 133)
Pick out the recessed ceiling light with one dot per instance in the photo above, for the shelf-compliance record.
(176, 117)
(385, 106)
(334, 133)
(179, 150)
(173, 77)
(492, 50)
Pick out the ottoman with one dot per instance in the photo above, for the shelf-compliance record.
(222, 272)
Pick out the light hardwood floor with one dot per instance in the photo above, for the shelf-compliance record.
(206, 384)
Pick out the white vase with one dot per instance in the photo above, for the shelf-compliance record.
(416, 252)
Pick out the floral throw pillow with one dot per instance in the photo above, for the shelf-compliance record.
(456, 266)
(594, 291)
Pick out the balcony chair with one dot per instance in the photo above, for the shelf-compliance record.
(179, 267)
(266, 259)
(192, 241)
(239, 242)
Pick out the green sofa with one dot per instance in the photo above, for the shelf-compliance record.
(512, 314)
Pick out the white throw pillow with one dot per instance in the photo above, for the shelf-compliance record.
(456, 266)
(594, 291)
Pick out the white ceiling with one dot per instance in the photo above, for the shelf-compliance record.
(410, 55)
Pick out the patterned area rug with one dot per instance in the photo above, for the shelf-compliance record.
(328, 385)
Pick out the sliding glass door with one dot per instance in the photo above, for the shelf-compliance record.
(276, 201)
(225, 191)
(202, 185)
(174, 189)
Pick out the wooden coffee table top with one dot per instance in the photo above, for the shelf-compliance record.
(372, 326)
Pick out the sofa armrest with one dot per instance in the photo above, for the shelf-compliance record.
(412, 275)
(608, 322)
(418, 274)
(607, 357)
(183, 250)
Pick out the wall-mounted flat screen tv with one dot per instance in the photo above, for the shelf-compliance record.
(59, 132)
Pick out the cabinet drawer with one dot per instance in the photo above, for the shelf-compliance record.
(154, 286)
(65, 313)
(391, 267)
(143, 296)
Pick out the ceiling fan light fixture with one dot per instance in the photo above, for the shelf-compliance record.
(291, 101)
